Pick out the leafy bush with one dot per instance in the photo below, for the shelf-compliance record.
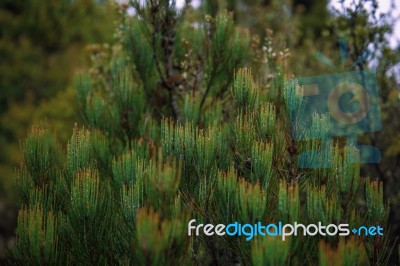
(178, 128)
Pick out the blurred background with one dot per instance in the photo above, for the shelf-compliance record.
(44, 43)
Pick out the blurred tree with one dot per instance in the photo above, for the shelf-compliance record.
(367, 31)
(313, 15)
(41, 42)
(41, 45)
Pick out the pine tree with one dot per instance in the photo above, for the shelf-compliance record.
(178, 128)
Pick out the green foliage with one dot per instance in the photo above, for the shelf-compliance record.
(146, 198)
(243, 90)
(83, 233)
(347, 253)
(270, 251)
(42, 44)
(366, 29)
(39, 232)
(166, 144)
(157, 239)
(43, 40)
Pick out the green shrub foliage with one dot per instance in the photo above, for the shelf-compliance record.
(178, 128)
